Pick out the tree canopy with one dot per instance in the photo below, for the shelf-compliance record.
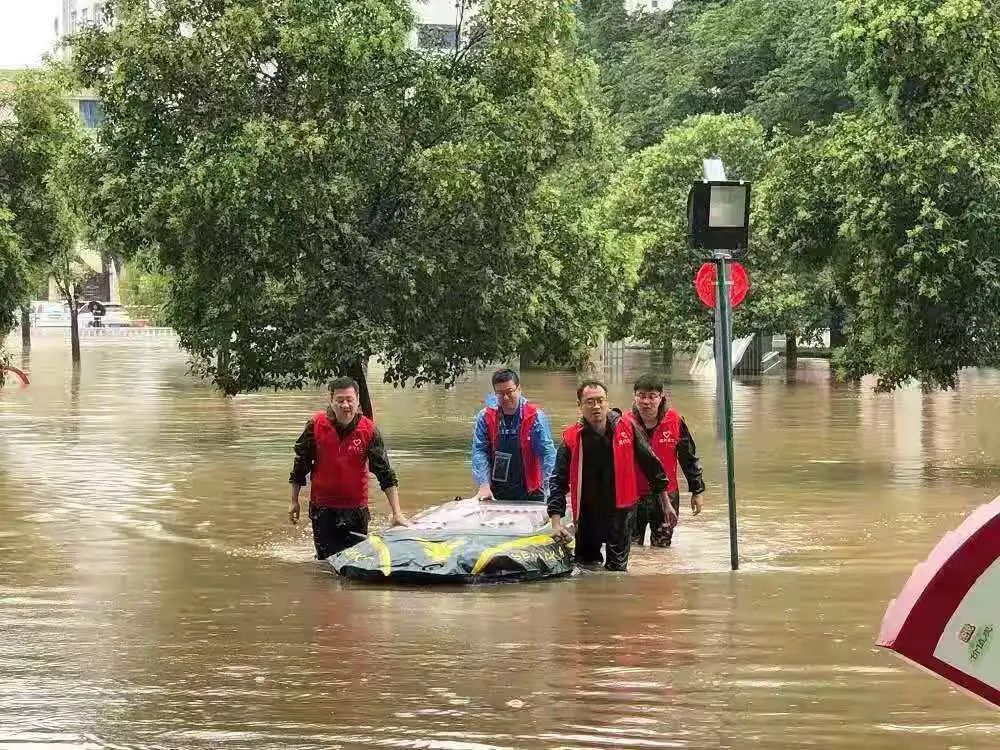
(39, 228)
(320, 191)
(901, 196)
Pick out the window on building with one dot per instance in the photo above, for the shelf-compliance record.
(437, 36)
(55, 26)
(98, 14)
(72, 22)
(91, 112)
(83, 16)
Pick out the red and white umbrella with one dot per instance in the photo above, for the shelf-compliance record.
(947, 617)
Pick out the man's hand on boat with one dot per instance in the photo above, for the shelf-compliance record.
(559, 532)
(398, 518)
(485, 493)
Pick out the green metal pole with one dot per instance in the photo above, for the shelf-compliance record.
(722, 302)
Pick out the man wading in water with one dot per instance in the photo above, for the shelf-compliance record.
(597, 465)
(339, 447)
(512, 449)
(671, 440)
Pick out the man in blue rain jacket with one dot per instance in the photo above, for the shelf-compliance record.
(512, 450)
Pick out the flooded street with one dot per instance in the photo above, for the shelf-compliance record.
(153, 594)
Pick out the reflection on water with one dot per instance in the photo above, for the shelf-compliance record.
(151, 595)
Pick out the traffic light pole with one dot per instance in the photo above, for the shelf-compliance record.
(725, 348)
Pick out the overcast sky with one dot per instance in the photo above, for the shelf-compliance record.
(26, 31)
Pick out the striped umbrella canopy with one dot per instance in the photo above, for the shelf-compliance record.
(946, 618)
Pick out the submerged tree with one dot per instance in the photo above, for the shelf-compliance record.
(321, 192)
(35, 141)
(647, 209)
(902, 196)
(13, 278)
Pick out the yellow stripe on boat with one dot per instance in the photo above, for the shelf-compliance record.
(384, 558)
(525, 541)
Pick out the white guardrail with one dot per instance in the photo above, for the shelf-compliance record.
(103, 332)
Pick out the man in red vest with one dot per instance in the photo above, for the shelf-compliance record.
(338, 448)
(512, 449)
(598, 465)
(671, 440)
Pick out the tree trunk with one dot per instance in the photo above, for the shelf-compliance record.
(74, 388)
(359, 371)
(25, 329)
(74, 328)
(667, 351)
(526, 356)
(791, 350)
(837, 316)
(222, 364)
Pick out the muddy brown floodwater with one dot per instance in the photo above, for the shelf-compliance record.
(153, 595)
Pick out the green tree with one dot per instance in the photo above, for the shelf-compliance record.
(34, 143)
(926, 64)
(773, 59)
(581, 272)
(13, 277)
(808, 83)
(146, 294)
(646, 210)
(320, 192)
(606, 29)
(795, 226)
(900, 198)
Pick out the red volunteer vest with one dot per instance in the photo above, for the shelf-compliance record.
(666, 435)
(623, 451)
(532, 466)
(340, 471)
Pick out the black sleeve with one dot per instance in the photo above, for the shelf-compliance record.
(378, 462)
(559, 483)
(648, 463)
(687, 456)
(305, 455)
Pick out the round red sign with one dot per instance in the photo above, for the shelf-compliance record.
(705, 283)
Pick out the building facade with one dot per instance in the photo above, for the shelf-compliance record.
(79, 13)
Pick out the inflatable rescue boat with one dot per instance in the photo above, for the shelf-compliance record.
(462, 541)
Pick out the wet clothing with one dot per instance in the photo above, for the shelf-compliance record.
(599, 518)
(340, 457)
(305, 453)
(614, 531)
(650, 512)
(684, 449)
(663, 439)
(622, 473)
(340, 470)
(336, 529)
(517, 471)
(514, 453)
(672, 442)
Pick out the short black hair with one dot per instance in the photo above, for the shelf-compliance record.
(502, 376)
(589, 384)
(344, 382)
(648, 382)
